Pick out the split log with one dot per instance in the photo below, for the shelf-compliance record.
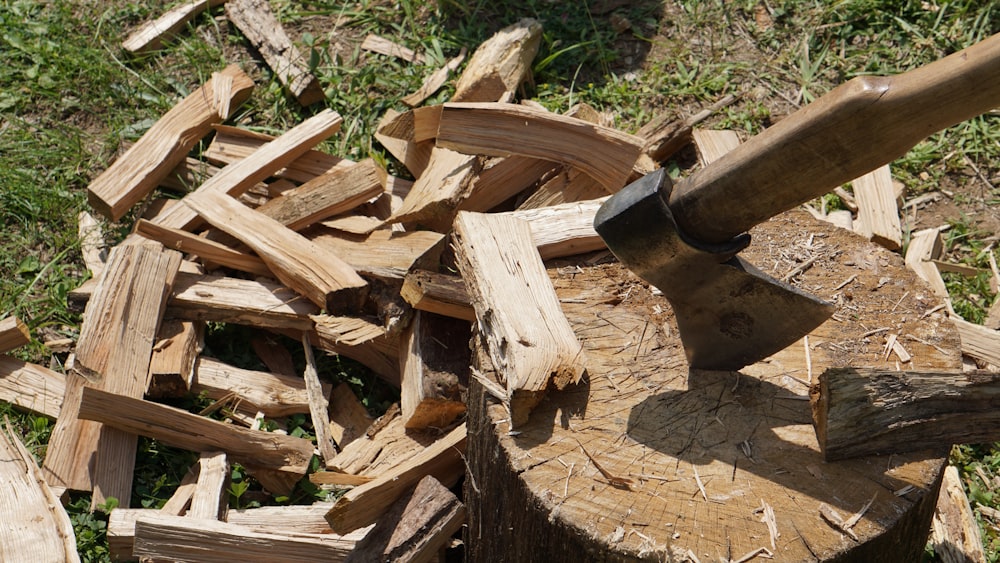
(362, 505)
(662, 434)
(383, 254)
(209, 498)
(171, 367)
(262, 29)
(31, 387)
(712, 144)
(924, 247)
(496, 129)
(92, 247)
(275, 356)
(503, 178)
(262, 163)
(435, 360)
(860, 412)
(137, 172)
(954, 531)
(69, 458)
(395, 132)
(383, 46)
(563, 230)
(251, 448)
(233, 144)
(175, 538)
(151, 35)
(247, 302)
(206, 249)
(436, 193)
(566, 186)
(978, 341)
(348, 417)
(179, 502)
(441, 294)
(317, 274)
(415, 527)
(13, 334)
(335, 192)
(517, 311)
(36, 526)
(383, 445)
(878, 215)
(664, 136)
(500, 64)
(319, 405)
(434, 82)
(273, 394)
(361, 340)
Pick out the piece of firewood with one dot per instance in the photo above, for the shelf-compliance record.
(565, 186)
(664, 136)
(500, 64)
(171, 367)
(175, 538)
(415, 527)
(275, 355)
(232, 144)
(317, 274)
(362, 340)
(151, 35)
(137, 172)
(438, 293)
(209, 498)
(563, 230)
(383, 445)
(924, 247)
(528, 337)
(325, 196)
(179, 502)
(319, 405)
(275, 395)
(712, 144)
(503, 178)
(496, 129)
(233, 300)
(209, 250)
(35, 524)
(954, 531)
(439, 188)
(395, 132)
(383, 46)
(31, 387)
(878, 214)
(383, 254)
(978, 341)
(67, 467)
(435, 360)
(859, 412)
(259, 165)
(362, 505)
(348, 417)
(92, 247)
(262, 29)
(13, 334)
(179, 428)
(434, 81)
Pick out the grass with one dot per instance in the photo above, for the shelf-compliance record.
(69, 99)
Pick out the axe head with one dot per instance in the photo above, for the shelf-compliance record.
(730, 314)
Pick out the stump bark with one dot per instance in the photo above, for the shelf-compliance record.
(648, 460)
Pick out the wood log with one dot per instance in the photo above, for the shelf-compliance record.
(92, 247)
(262, 29)
(712, 144)
(205, 248)
(31, 387)
(137, 172)
(67, 465)
(395, 132)
(383, 445)
(860, 412)
(361, 340)
(362, 505)
(978, 341)
(247, 302)
(954, 532)
(924, 247)
(317, 274)
(496, 129)
(262, 163)
(171, 367)
(13, 334)
(500, 64)
(435, 360)
(415, 527)
(563, 230)
(434, 81)
(151, 35)
(348, 417)
(251, 448)
(441, 294)
(36, 527)
(383, 46)
(319, 405)
(383, 254)
(663, 434)
(233, 144)
(517, 311)
(878, 214)
(445, 180)
(177, 538)
(566, 186)
(209, 500)
(275, 395)
(503, 178)
(332, 193)
(179, 502)
(665, 136)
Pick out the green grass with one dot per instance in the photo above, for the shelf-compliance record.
(69, 99)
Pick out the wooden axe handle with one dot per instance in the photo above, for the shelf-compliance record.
(858, 127)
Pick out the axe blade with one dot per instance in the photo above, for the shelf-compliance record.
(730, 314)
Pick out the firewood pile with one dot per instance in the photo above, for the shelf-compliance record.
(339, 255)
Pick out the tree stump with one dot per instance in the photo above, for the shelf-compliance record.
(648, 460)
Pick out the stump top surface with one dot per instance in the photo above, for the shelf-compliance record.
(710, 455)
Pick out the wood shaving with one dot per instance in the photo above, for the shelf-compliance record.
(614, 480)
(834, 519)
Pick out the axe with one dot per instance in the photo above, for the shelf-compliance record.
(684, 238)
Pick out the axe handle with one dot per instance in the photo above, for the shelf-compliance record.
(861, 125)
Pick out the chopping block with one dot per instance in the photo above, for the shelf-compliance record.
(649, 460)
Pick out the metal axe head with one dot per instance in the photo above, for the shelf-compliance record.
(729, 313)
